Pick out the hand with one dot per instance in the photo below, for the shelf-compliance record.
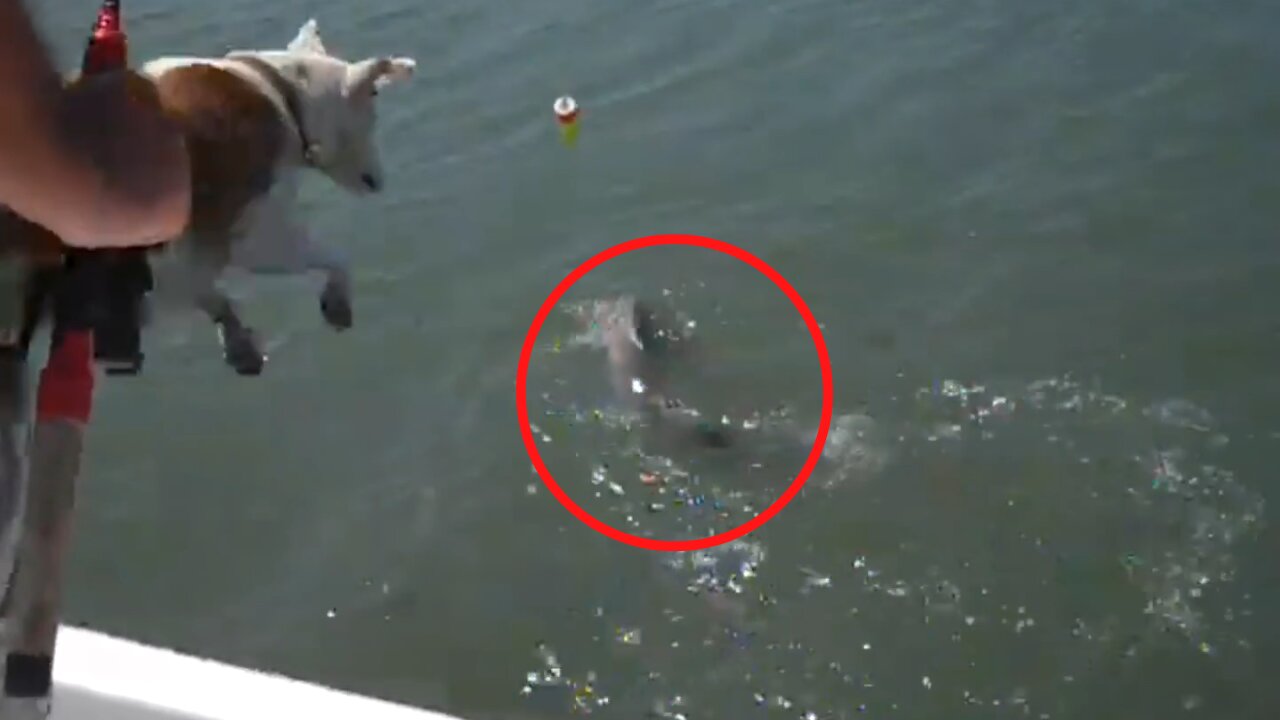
(115, 121)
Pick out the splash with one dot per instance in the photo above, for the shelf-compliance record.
(1117, 522)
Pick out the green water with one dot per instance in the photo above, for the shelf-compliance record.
(1040, 239)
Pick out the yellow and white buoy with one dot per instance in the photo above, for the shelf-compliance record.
(567, 111)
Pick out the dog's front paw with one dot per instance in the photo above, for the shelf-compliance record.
(240, 350)
(335, 306)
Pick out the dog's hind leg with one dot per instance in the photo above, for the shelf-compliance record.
(240, 347)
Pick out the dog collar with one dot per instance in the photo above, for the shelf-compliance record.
(288, 95)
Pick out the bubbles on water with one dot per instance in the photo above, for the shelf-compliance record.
(1180, 413)
(723, 568)
(856, 448)
(814, 580)
(582, 694)
(1210, 510)
(1187, 514)
(672, 708)
(1078, 491)
(940, 597)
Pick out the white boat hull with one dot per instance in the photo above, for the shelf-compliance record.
(99, 677)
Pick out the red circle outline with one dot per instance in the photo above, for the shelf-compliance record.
(522, 403)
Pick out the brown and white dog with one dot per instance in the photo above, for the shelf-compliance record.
(254, 120)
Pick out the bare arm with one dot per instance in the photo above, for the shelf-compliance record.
(90, 165)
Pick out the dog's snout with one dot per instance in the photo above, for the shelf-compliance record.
(370, 181)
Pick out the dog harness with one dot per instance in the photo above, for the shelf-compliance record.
(288, 95)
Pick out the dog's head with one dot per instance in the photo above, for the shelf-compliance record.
(338, 101)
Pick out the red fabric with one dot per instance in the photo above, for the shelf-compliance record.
(108, 47)
(107, 51)
(66, 383)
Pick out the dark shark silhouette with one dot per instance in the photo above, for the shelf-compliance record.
(642, 343)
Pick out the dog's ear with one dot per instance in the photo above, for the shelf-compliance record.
(369, 75)
(308, 39)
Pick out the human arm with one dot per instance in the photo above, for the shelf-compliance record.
(96, 165)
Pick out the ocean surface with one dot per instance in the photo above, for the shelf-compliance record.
(1041, 241)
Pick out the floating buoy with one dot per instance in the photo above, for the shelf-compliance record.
(567, 111)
